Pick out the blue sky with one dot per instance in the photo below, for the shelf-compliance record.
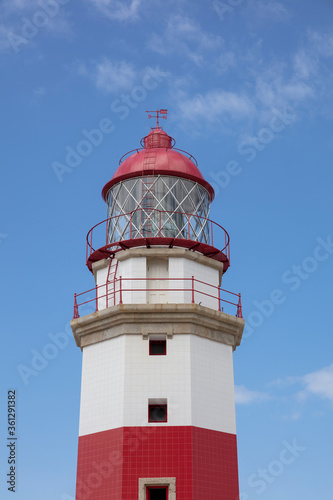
(248, 88)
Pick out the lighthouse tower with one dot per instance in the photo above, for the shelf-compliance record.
(157, 334)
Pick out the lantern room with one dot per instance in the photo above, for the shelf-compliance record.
(158, 196)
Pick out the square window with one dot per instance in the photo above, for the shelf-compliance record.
(157, 488)
(157, 493)
(157, 413)
(157, 347)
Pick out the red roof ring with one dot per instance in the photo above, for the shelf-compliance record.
(158, 157)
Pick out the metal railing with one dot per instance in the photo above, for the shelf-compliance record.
(163, 224)
(137, 150)
(114, 293)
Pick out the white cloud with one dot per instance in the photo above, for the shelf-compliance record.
(226, 61)
(293, 415)
(280, 86)
(60, 25)
(112, 76)
(283, 382)
(39, 91)
(182, 36)
(118, 10)
(245, 396)
(214, 105)
(307, 58)
(10, 6)
(295, 84)
(305, 65)
(322, 43)
(296, 415)
(269, 9)
(320, 383)
(289, 85)
(14, 27)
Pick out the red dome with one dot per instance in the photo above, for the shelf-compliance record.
(157, 138)
(158, 158)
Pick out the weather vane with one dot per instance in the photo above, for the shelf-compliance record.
(158, 112)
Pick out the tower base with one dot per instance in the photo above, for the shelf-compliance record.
(120, 464)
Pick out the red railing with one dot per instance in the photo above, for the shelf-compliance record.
(119, 288)
(190, 228)
(137, 150)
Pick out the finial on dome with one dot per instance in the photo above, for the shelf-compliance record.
(158, 112)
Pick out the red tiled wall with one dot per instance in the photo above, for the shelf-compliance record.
(215, 468)
(204, 462)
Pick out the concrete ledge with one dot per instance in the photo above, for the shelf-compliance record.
(100, 264)
(161, 252)
(169, 252)
(167, 319)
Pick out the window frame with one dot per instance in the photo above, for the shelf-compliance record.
(146, 482)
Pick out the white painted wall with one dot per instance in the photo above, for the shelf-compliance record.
(212, 385)
(102, 386)
(119, 377)
(102, 290)
(152, 377)
(208, 275)
(129, 269)
(178, 269)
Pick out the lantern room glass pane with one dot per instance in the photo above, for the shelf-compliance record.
(160, 206)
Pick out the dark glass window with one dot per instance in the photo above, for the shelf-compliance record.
(157, 413)
(157, 347)
(157, 493)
